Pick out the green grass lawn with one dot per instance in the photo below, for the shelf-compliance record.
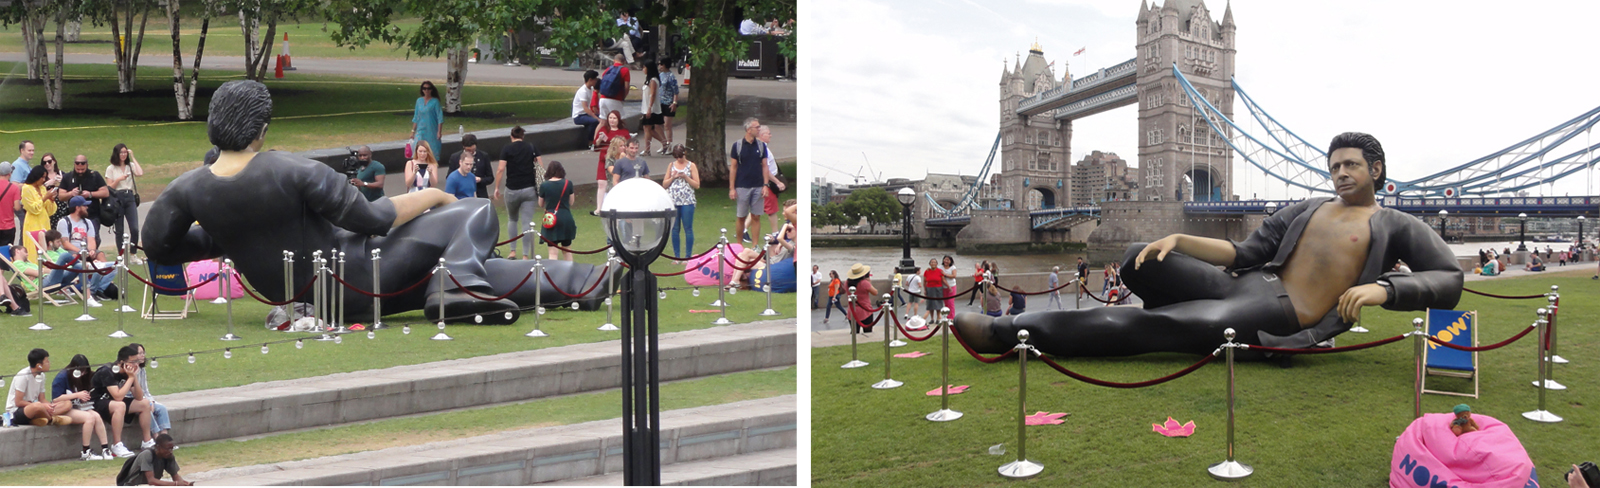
(390, 348)
(1331, 420)
(443, 426)
(306, 39)
(309, 112)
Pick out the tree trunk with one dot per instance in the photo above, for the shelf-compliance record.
(249, 26)
(74, 29)
(127, 45)
(265, 46)
(52, 86)
(32, 28)
(455, 78)
(708, 112)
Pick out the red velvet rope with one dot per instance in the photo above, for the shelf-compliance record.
(1141, 384)
(490, 299)
(296, 297)
(64, 267)
(69, 269)
(680, 273)
(1490, 347)
(382, 295)
(752, 263)
(174, 290)
(690, 258)
(1008, 290)
(980, 357)
(508, 241)
(554, 245)
(1326, 350)
(925, 297)
(553, 284)
(1101, 300)
(1508, 297)
(856, 304)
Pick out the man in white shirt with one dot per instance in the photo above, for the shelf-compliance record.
(751, 28)
(817, 278)
(581, 113)
(774, 181)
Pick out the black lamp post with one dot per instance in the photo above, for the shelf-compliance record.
(906, 197)
(637, 218)
(1443, 214)
(1580, 233)
(1522, 232)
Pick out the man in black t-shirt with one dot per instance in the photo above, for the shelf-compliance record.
(480, 164)
(522, 170)
(86, 183)
(110, 389)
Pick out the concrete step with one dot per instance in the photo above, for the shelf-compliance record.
(280, 406)
(766, 468)
(568, 452)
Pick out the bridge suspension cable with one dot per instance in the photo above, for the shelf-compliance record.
(970, 199)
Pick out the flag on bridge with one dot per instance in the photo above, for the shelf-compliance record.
(1081, 50)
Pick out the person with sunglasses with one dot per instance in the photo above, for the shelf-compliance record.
(52, 169)
(86, 183)
(427, 118)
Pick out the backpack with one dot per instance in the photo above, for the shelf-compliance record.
(126, 471)
(611, 82)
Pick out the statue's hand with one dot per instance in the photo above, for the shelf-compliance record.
(1358, 296)
(1159, 249)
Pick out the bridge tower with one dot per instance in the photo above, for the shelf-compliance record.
(1180, 158)
(1034, 150)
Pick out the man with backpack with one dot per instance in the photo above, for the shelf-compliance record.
(747, 175)
(614, 86)
(150, 464)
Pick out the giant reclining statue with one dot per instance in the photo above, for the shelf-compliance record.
(251, 206)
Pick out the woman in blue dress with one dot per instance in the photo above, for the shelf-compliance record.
(427, 117)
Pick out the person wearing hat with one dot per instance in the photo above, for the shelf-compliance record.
(866, 297)
(78, 236)
(1463, 422)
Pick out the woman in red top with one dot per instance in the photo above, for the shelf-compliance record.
(933, 284)
(835, 297)
(861, 314)
(603, 135)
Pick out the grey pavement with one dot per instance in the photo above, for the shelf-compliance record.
(154, 65)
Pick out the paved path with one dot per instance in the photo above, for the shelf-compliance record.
(156, 66)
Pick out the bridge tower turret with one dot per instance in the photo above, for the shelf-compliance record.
(1180, 156)
(1034, 150)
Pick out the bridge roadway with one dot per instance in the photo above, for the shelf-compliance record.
(1100, 91)
(1561, 207)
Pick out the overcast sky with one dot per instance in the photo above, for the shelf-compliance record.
(912, 86)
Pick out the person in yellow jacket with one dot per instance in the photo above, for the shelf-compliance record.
(39, 201)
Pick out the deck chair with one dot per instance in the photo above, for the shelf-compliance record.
(58, 295)
(1461, 329)
(166, 276)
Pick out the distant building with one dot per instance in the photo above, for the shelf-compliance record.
(1103, 177)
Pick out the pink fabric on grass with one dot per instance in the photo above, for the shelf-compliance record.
(199, 271)
(705, 267)
(1427, 454)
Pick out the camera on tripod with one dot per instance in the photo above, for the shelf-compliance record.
(352, 164)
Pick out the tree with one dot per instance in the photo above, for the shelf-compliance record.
(29, 16)
(182, 90)
(875, 204)
(449, 28)
(125, 45)
(828, 214)
(258, 47)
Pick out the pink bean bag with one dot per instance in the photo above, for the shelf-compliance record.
(1427, 454)
(199, 271)
(705, 268)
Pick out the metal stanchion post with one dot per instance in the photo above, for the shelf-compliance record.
(83, 286)
(222, 288)
(894, 311)
(886, 309)
(538, 296)
(377, 289)
(611, 260)
(1022, 467)
(1419, 338)
(1078, 305)
(1550, 347)
(854, 361)
(227, 287)
(722, 247)
(1230, 469)
(945, 414)
(122, 278)
(769, 312)
(323, 298)
(288, 286)
(122, 294)
(1542, 415)
(1555, 302)
(339, 298)
(442, 274)
(38, 284)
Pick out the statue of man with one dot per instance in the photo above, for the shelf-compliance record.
(251, 206)
(1300, 279)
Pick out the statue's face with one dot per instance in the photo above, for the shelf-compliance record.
(1352, 175)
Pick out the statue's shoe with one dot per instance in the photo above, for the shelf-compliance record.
(462, 308)
(980, 332)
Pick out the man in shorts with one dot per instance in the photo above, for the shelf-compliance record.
(747, 175)
(110, 390)
(28, 402)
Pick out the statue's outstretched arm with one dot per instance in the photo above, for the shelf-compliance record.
(172, 237)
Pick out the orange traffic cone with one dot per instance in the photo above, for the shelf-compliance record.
(279, 69)
(288, 61)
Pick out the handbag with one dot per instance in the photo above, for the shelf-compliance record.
(550, 217)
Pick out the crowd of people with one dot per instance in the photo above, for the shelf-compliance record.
(1493, 263)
